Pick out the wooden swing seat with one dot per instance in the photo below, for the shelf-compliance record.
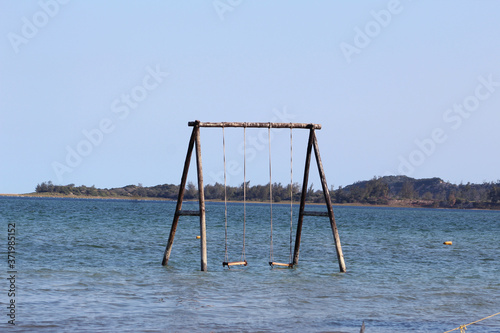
(235, 263)
(272, 263)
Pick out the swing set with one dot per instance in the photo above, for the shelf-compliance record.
(294, 255)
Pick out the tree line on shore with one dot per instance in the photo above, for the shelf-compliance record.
(431, 192)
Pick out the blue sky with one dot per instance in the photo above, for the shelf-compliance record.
(100, 93)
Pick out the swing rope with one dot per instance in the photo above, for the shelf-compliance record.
(226, 259)
(243, 260)
(291, 194)
(271, 254)
(243, 255)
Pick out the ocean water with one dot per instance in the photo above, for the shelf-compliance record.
(95, 266)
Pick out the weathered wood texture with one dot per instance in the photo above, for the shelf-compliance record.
(189, 213)
(298, 235)
(328, 201)
(272, 263)
(235, 263)
(180, 198)
(314, 213)
(254, 125)
(201, 193)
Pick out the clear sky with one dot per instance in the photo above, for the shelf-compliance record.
(100, 92)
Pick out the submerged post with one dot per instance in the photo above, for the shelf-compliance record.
(298, 235)
(328, 201)
(201, 194)
(180, 198)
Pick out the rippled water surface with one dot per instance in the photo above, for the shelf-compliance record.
(95, 265)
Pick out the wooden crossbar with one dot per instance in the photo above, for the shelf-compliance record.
(272, 263)
(189, 213)
(315, 213)
(235, 263)
(254, 125)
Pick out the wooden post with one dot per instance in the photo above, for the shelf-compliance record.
(180, 198)
(303, 199)
(201, 192)
(326, 193)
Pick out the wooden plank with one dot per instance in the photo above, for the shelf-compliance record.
(180, 196)
(235, 263)
(254, 125)
(189, 213)
(280, 264)
(315, 213)
(326, 193)
(303, 199)
(201, 193)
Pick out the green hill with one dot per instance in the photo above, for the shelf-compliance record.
(432, 192)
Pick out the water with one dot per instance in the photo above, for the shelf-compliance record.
(94, 265)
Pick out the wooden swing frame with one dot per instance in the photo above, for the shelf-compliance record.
(195, 141)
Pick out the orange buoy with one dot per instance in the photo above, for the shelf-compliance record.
(448, 243)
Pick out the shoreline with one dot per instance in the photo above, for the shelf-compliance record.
(395, 203)
(53, 196)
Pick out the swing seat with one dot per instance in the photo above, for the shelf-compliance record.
(235, 263)
(272, 264)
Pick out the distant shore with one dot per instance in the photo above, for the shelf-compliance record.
(62, 196)
(395, 203)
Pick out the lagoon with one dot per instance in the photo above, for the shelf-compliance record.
(95, 265)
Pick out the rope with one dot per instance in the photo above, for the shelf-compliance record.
(243, 256)
(291, 194)
(226, 251)
(463, 328)
(271, 254)
(226, 259)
